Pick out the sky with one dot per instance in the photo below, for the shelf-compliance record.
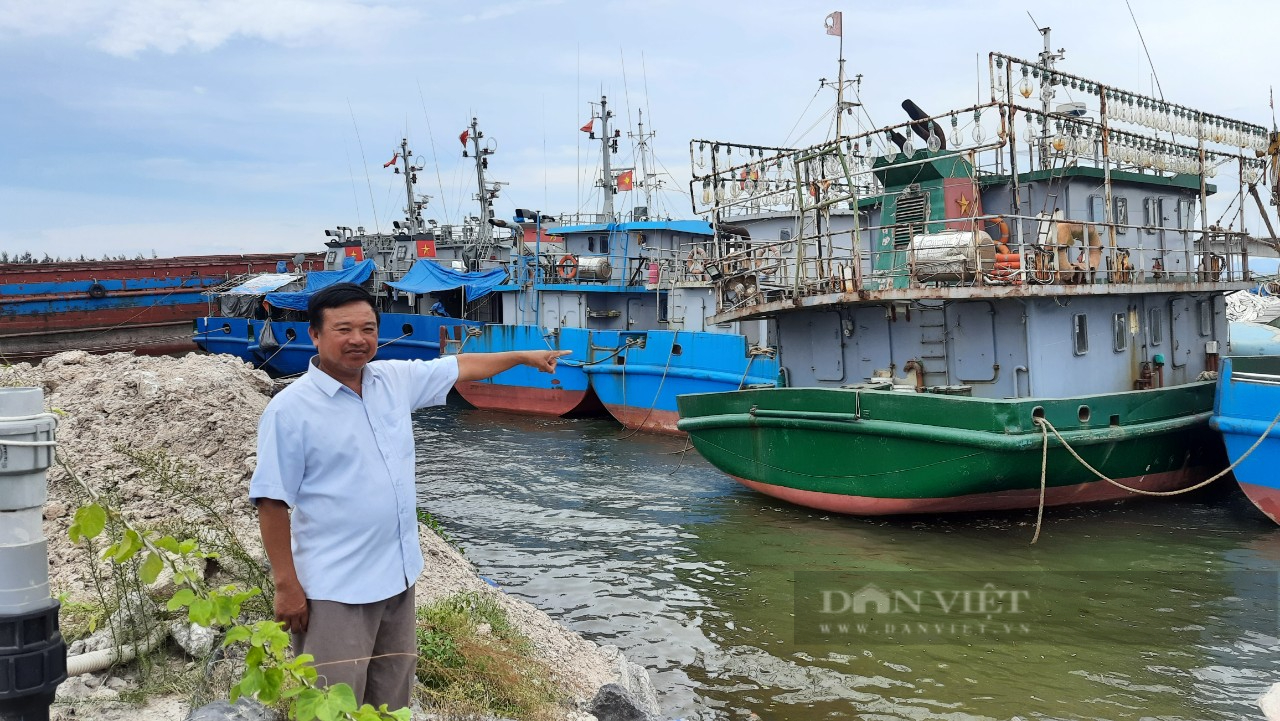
(185, 127)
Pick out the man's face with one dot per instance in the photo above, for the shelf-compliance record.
(348, 339)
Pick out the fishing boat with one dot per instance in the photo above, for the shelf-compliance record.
(1246, 413)
(145, 305)
(629, 295)
(425, 277)
(1027, 312)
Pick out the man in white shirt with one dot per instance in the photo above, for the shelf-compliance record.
(334, 486)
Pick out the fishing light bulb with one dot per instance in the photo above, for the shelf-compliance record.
(934, 144)
(979, 134)
(719, 190)
(999, 83)
(706, 192)
(956, 139)
(1025, 88)
(1031, 132)
(1084, 144)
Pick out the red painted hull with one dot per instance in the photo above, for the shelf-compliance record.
(142, 318)
(1093, 492)
(649, 421)
(228, 266)
(519, 399)
(1267, 499)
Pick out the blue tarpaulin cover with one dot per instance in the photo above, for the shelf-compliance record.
(427, 276)
(318, 279)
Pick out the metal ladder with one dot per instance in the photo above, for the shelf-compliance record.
(933, 339)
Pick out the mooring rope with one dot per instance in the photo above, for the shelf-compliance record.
(286, 342)
(1046, 427)
(656, 394)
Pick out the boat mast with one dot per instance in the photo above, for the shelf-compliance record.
(412, 208)
(1047, 59)
(485, 231)
(642, 151)
(608, 145)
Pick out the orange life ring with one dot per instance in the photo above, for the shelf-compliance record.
(567, 267)
(1003, 240)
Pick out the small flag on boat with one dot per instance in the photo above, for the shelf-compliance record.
(391, 162)
(626, 181)
(463, 138)
(587, 128)
(833, 24)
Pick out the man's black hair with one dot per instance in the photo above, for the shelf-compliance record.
(334, 296)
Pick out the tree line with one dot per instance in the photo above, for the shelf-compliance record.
(26, 257)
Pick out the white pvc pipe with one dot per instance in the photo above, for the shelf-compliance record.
(95, 661)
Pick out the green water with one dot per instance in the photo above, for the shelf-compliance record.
(1161, 609)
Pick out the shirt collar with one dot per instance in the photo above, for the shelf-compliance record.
(326, 382)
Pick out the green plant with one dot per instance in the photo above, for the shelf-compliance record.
(472, 660)
(430, 521)
(269, 675)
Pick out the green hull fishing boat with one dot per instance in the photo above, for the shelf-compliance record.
(876, 452)
(1025, 313)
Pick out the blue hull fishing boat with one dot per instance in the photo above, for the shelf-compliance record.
(629, 296)
(425, 277)
(1246, 411)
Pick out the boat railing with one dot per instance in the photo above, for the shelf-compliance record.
(1027, 255)
(655, 268)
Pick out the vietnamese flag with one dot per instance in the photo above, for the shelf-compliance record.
(426, 249)
(391, 162)
(463, 138)
(590, 124)
(626, 181)
(356, 252)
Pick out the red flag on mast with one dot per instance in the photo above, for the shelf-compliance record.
(832, 24)
(463, 138)
(587, 128)
(626, 181)
(391, 162)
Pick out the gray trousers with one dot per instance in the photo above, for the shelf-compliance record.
(371, 647)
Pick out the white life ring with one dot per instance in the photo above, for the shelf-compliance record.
(696, 265)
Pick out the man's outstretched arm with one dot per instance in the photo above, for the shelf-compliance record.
(475, 366)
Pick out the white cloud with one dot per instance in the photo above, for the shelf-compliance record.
(500, 10)
(168, 26)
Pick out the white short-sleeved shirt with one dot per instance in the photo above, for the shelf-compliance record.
(345, 464)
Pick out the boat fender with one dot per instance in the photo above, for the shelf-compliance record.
(567, 267)
(97, 291)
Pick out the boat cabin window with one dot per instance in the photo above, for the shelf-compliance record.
(604, 244)
(402, 252)
(1097, 209)
(1120, 327)
(591, 244)
(1205, 309)
(1121, 215)
(1155, 326)
(1080, 333)
(785, 234)
(331, 257)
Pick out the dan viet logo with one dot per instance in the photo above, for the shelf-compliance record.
(923, 614)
